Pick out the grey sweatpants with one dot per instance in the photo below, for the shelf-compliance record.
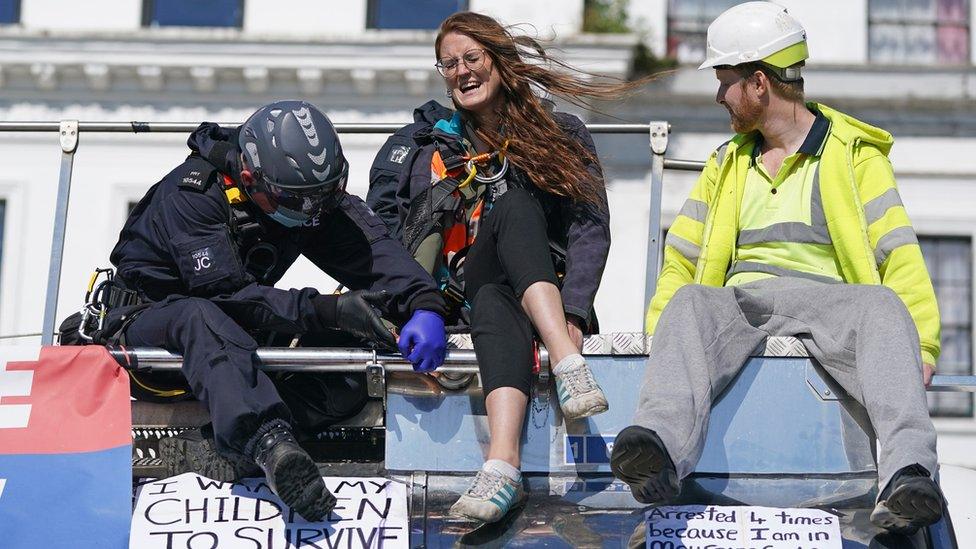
(862, 335)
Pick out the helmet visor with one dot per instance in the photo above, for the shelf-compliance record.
(300, 203)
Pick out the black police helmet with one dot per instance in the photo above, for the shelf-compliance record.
(295, 161)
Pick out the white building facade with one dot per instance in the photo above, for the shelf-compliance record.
(904, 65)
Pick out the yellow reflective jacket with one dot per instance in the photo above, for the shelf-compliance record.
(872, 235)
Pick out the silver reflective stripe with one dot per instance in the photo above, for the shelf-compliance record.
(794, 231)
(684, 247)
(876, 207)
(695, 209)
(817, 217)
(720, 152)
(785, 232)
(902, 236)
(753, 267)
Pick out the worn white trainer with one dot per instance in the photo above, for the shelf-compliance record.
(489, 498)
(579, 395)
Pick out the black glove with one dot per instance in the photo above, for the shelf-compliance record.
(359, 313)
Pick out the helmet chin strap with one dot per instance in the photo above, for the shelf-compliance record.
(788, 74)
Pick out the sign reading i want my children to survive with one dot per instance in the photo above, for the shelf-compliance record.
(715, 527)
(193, 512)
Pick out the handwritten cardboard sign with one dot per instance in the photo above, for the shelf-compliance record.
(193, 512)
(721, 527)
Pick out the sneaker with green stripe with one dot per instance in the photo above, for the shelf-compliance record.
(489, 498)
(579, 395)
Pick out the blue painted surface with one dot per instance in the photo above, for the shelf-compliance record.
(595, 512)
(66, 500)
(769, 420)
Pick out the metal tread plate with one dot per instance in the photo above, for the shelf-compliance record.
(639, 343)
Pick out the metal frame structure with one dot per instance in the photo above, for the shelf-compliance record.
(333, 360)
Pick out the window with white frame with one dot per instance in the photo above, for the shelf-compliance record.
(688, 22)
(193, 13)
(949, 261)
(9, 12)
(416, 14)
(918, 31)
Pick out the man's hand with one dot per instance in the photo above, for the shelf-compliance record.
(575, 332)
(927, 371)
(423, 341)
(360, 313)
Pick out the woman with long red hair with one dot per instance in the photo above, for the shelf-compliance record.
(503, 201)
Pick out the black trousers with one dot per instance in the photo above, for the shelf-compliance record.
(510, 254)
(222, 370)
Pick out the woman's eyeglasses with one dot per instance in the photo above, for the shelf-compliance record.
(473, 59)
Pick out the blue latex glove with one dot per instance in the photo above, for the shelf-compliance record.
(423, 341)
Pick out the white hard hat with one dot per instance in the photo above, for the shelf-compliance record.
(756, 32)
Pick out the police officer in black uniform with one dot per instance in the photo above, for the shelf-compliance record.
(204, 247)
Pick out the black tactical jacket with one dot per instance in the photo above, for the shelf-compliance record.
(185, 239)
(401, 172)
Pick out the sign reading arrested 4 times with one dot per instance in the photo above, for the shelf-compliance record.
(193, 512)
(719, 527)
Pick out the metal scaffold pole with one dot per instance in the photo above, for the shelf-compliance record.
(69, 144)
(658, 134)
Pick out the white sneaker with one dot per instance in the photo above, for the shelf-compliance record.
(490, 497)
(579, 395)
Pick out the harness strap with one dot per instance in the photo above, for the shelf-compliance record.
(118, 338)
(454, 285)
(425, 211)
(452, 160)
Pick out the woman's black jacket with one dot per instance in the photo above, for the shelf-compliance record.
(401, 171)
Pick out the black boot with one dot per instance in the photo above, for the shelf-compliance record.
(290, 471)
(193, 451)
(910, 501)
(640, 459)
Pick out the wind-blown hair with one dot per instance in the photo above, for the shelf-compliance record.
(556, 162)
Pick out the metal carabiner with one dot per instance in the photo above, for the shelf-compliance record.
(469, 168)
(85, 315)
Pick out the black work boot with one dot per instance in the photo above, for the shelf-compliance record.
(910, 501)
(640, 459)
(193, 452)
(291, 473)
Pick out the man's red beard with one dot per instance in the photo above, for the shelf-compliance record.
(745, 117)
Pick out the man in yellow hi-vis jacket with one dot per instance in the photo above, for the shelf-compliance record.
(794, 228)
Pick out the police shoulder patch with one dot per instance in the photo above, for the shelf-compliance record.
(198, 176)
(398, 153)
